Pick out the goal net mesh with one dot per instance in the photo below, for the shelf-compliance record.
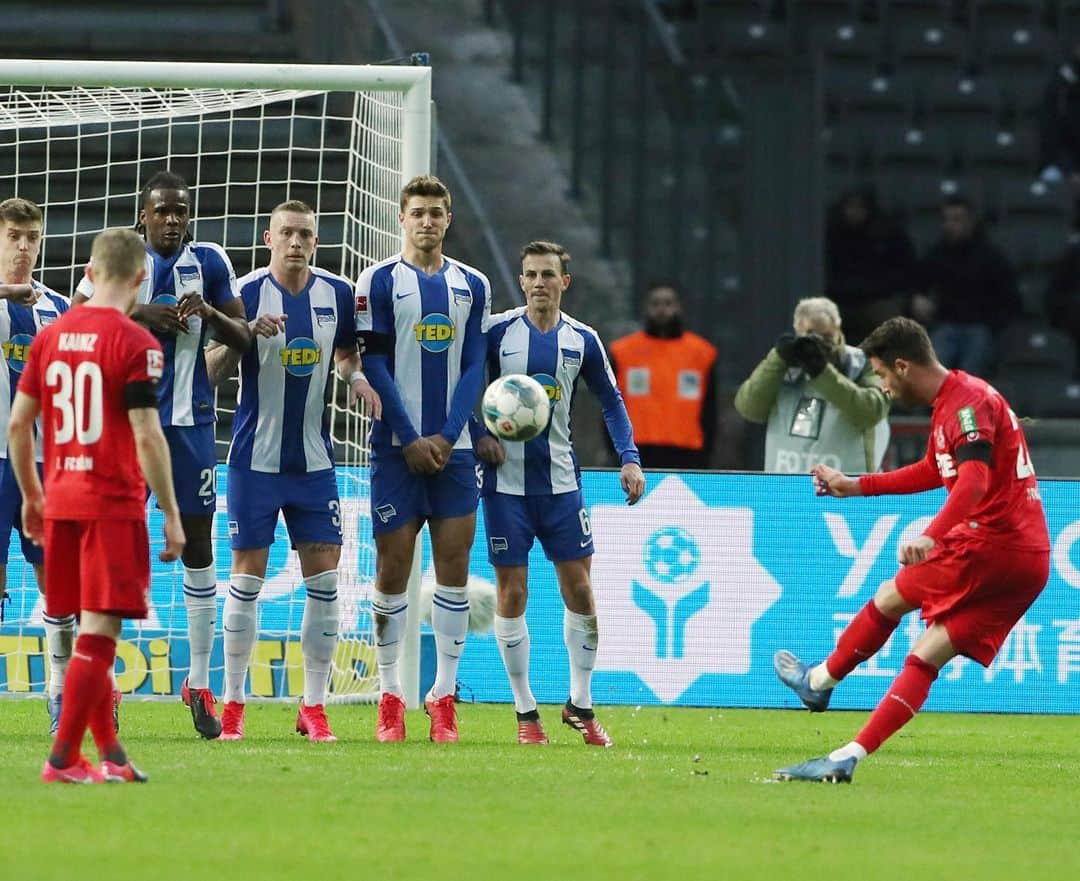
(82, 154)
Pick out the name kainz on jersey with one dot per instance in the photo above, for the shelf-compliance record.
(77, 463)
(78, 342)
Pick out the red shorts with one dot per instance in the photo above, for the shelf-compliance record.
(97, 566)
(975, 590)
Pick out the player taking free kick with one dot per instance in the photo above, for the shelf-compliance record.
(973, 572)
(92, 375)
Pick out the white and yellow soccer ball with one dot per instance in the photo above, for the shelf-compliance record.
(516, 407)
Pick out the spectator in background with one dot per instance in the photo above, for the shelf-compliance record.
(665, 374)
(819, 397)
(869, 262)
(1063, 293)
(1059, 123)
(968, 290)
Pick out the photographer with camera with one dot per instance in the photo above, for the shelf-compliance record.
(819, 397)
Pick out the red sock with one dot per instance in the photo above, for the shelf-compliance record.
(87, 680)
(901, 703)
(868, 631)
(103, 728)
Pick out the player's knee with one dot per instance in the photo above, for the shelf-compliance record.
(889, 601)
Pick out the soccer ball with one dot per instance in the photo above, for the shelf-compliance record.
(516, 407)
(672, 555)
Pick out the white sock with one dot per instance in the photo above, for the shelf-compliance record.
(390, 613)
(512, 635)
(318, 634)
(851, 751)
(581, 638)
(59, 638)
(200, 598)
(820, 680)
(450, 621)
(241, 632)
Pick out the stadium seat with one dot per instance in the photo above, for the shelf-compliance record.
(805, 15)
(756, 38)
(1040, 394)
(851, 48)
(1029, 345)
(959, 102)
(925, 13)
(986, 14)
(908, 149)
(1035, 202)
(929, 50)
(847, 151)
(993, 150)
(1018, 58)
(875, 102)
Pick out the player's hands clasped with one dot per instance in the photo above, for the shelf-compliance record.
(488, 449)
(21, 294)
(916, 550)
(174, 539)
(268, 325)
(161, 318)
(422, 456)
(830, 482)
(361, 390)
(633, 482)
(193, 305)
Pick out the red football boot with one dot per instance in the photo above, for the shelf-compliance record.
(80, 772)
(312, 723)
(128, 773)
(391, 726)
(443, 719)
(232, 721)
(203, 713)
(584, 723)
(530, 728)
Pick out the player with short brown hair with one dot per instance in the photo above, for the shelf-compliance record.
(974, 571)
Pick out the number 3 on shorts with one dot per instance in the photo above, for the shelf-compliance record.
(335, 513)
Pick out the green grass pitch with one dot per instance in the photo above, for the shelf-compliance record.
(684, 794)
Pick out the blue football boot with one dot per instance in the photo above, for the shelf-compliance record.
(796, 676)
(823, 770)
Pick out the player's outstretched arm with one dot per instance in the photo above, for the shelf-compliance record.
(156, 465)
(24, 411)
(830, 482)
(915, 478)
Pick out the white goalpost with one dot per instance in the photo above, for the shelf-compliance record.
(80, 138)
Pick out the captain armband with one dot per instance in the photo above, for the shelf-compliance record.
(978, 451)
(371, 343)
(140, 394)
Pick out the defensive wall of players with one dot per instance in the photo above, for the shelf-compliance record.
(697, 586)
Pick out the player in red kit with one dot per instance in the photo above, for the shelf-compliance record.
(92, 377)
(973, 572)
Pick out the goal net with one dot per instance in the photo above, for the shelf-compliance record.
(245, 137)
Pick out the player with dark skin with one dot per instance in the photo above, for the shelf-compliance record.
(164, 218)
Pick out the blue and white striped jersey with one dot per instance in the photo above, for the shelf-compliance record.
(184, 393)
(435, 326)
(546, 465)
(18, 327)
(282, 421)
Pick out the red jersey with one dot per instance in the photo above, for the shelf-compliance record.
(966, 410)
(79, 369)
